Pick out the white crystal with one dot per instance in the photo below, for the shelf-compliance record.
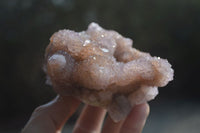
(94, 58)
(86, 42)
(58, 59)
(104, 50)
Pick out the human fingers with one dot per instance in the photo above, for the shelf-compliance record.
(112, 127)
(50, 118)
(90, 120)
(135, 121)
(138, 115)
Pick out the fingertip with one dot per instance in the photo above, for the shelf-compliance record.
(90, 120)
(145, 109)
(135, 121)
(112, 127)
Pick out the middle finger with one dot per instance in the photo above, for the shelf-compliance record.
(90, 120)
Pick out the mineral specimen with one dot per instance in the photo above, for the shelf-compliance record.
(101, 68)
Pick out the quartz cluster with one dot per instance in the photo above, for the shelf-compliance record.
(101, 68)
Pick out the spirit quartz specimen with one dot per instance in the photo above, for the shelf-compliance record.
(101, 68)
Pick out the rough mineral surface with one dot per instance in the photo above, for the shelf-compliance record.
(101, 68)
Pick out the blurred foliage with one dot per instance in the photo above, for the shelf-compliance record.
(166, 28)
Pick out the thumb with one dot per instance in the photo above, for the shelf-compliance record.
(51, 117)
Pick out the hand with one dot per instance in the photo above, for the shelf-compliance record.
(51, 117)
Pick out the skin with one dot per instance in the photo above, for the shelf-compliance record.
(51, 117)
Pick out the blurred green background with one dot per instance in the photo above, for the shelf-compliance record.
(166, 28)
